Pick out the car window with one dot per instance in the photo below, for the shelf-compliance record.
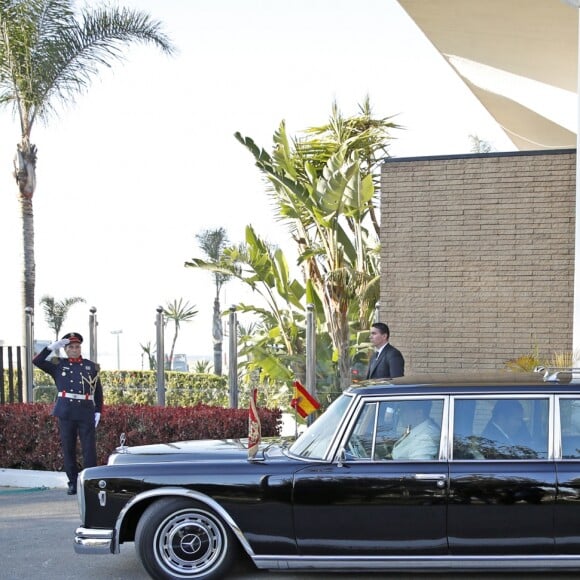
(397, 430)
(570, 425)
(360, 442)
(500, 428)
(315, 441)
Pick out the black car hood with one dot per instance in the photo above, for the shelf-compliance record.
(208, 450)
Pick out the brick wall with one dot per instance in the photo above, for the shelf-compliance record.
(477, 255)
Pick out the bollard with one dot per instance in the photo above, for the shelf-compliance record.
(27, 391)
(233, 355)
(160, 324)
(310, 356)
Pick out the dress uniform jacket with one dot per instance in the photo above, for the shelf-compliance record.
(79, 377)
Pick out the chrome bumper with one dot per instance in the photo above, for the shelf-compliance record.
(89, 541)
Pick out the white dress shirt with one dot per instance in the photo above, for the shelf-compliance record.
(422, 442)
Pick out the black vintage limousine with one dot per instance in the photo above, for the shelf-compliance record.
(407, 474)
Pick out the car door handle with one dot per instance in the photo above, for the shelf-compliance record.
(427, 476)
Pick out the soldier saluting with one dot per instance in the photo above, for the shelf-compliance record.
(78, 404)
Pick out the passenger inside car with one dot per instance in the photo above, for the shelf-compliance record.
(501, 429)
(420, 439)
(506, 426)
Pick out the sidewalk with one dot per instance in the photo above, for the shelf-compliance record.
(32, 479)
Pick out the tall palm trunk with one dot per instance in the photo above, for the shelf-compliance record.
(337, 316)
(25, 174)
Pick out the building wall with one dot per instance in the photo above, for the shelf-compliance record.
(477, 255)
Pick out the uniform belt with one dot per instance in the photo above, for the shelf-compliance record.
(85, 397)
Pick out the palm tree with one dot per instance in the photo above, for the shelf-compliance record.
(212, 244)
(49, 52)
(479, 145)
(278, 344)
(179, 312)
(148, 350)
(202, 367)
(323, 189)
(56, 311)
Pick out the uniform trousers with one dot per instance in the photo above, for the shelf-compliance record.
(85, 430)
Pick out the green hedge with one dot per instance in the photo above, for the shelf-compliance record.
(181, 389)
(140, 388)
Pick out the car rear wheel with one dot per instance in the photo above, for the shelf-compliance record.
(180, 539)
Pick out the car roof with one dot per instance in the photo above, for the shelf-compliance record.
(467, 382)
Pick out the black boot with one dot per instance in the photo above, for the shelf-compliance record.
(72, 489)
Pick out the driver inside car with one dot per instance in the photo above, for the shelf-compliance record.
(420, 439)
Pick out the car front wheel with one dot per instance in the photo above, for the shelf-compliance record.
(180, 539)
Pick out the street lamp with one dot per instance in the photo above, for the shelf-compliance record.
(117, 333)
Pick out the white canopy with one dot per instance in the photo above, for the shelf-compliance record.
(518, 57)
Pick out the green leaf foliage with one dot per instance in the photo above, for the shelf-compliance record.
(323, 190)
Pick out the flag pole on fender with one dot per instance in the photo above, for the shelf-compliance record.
(254, 426)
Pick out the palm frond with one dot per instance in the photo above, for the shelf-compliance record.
(49, 55)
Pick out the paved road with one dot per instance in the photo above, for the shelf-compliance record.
(37, 527)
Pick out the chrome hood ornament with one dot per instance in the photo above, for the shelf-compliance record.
(122, 440)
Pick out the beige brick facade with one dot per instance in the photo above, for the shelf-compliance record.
(477, 255)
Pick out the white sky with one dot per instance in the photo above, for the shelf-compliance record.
(147, 158)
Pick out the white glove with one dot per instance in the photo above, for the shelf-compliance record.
(97, 419)
(58, 344)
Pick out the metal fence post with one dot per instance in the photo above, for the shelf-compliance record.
(2, 392)
(159, 323)
(27, 391)
(310, 356)
(93, 334)
(233, 356)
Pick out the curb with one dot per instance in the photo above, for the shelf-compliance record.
(28, 478)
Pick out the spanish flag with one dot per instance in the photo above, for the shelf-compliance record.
(254, 427)
(304, 403)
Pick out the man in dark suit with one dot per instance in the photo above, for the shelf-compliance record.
(387, 362)
(507, 426)
(78, 404)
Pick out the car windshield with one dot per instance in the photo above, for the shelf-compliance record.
(314, 442)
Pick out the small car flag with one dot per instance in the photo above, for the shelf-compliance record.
(304, 403)
(254, 427)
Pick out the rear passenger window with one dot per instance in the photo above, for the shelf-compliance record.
(409, 430)
(570, 424)
(502, 428)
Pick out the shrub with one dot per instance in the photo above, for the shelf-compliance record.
(528, 362)
(29, 437)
